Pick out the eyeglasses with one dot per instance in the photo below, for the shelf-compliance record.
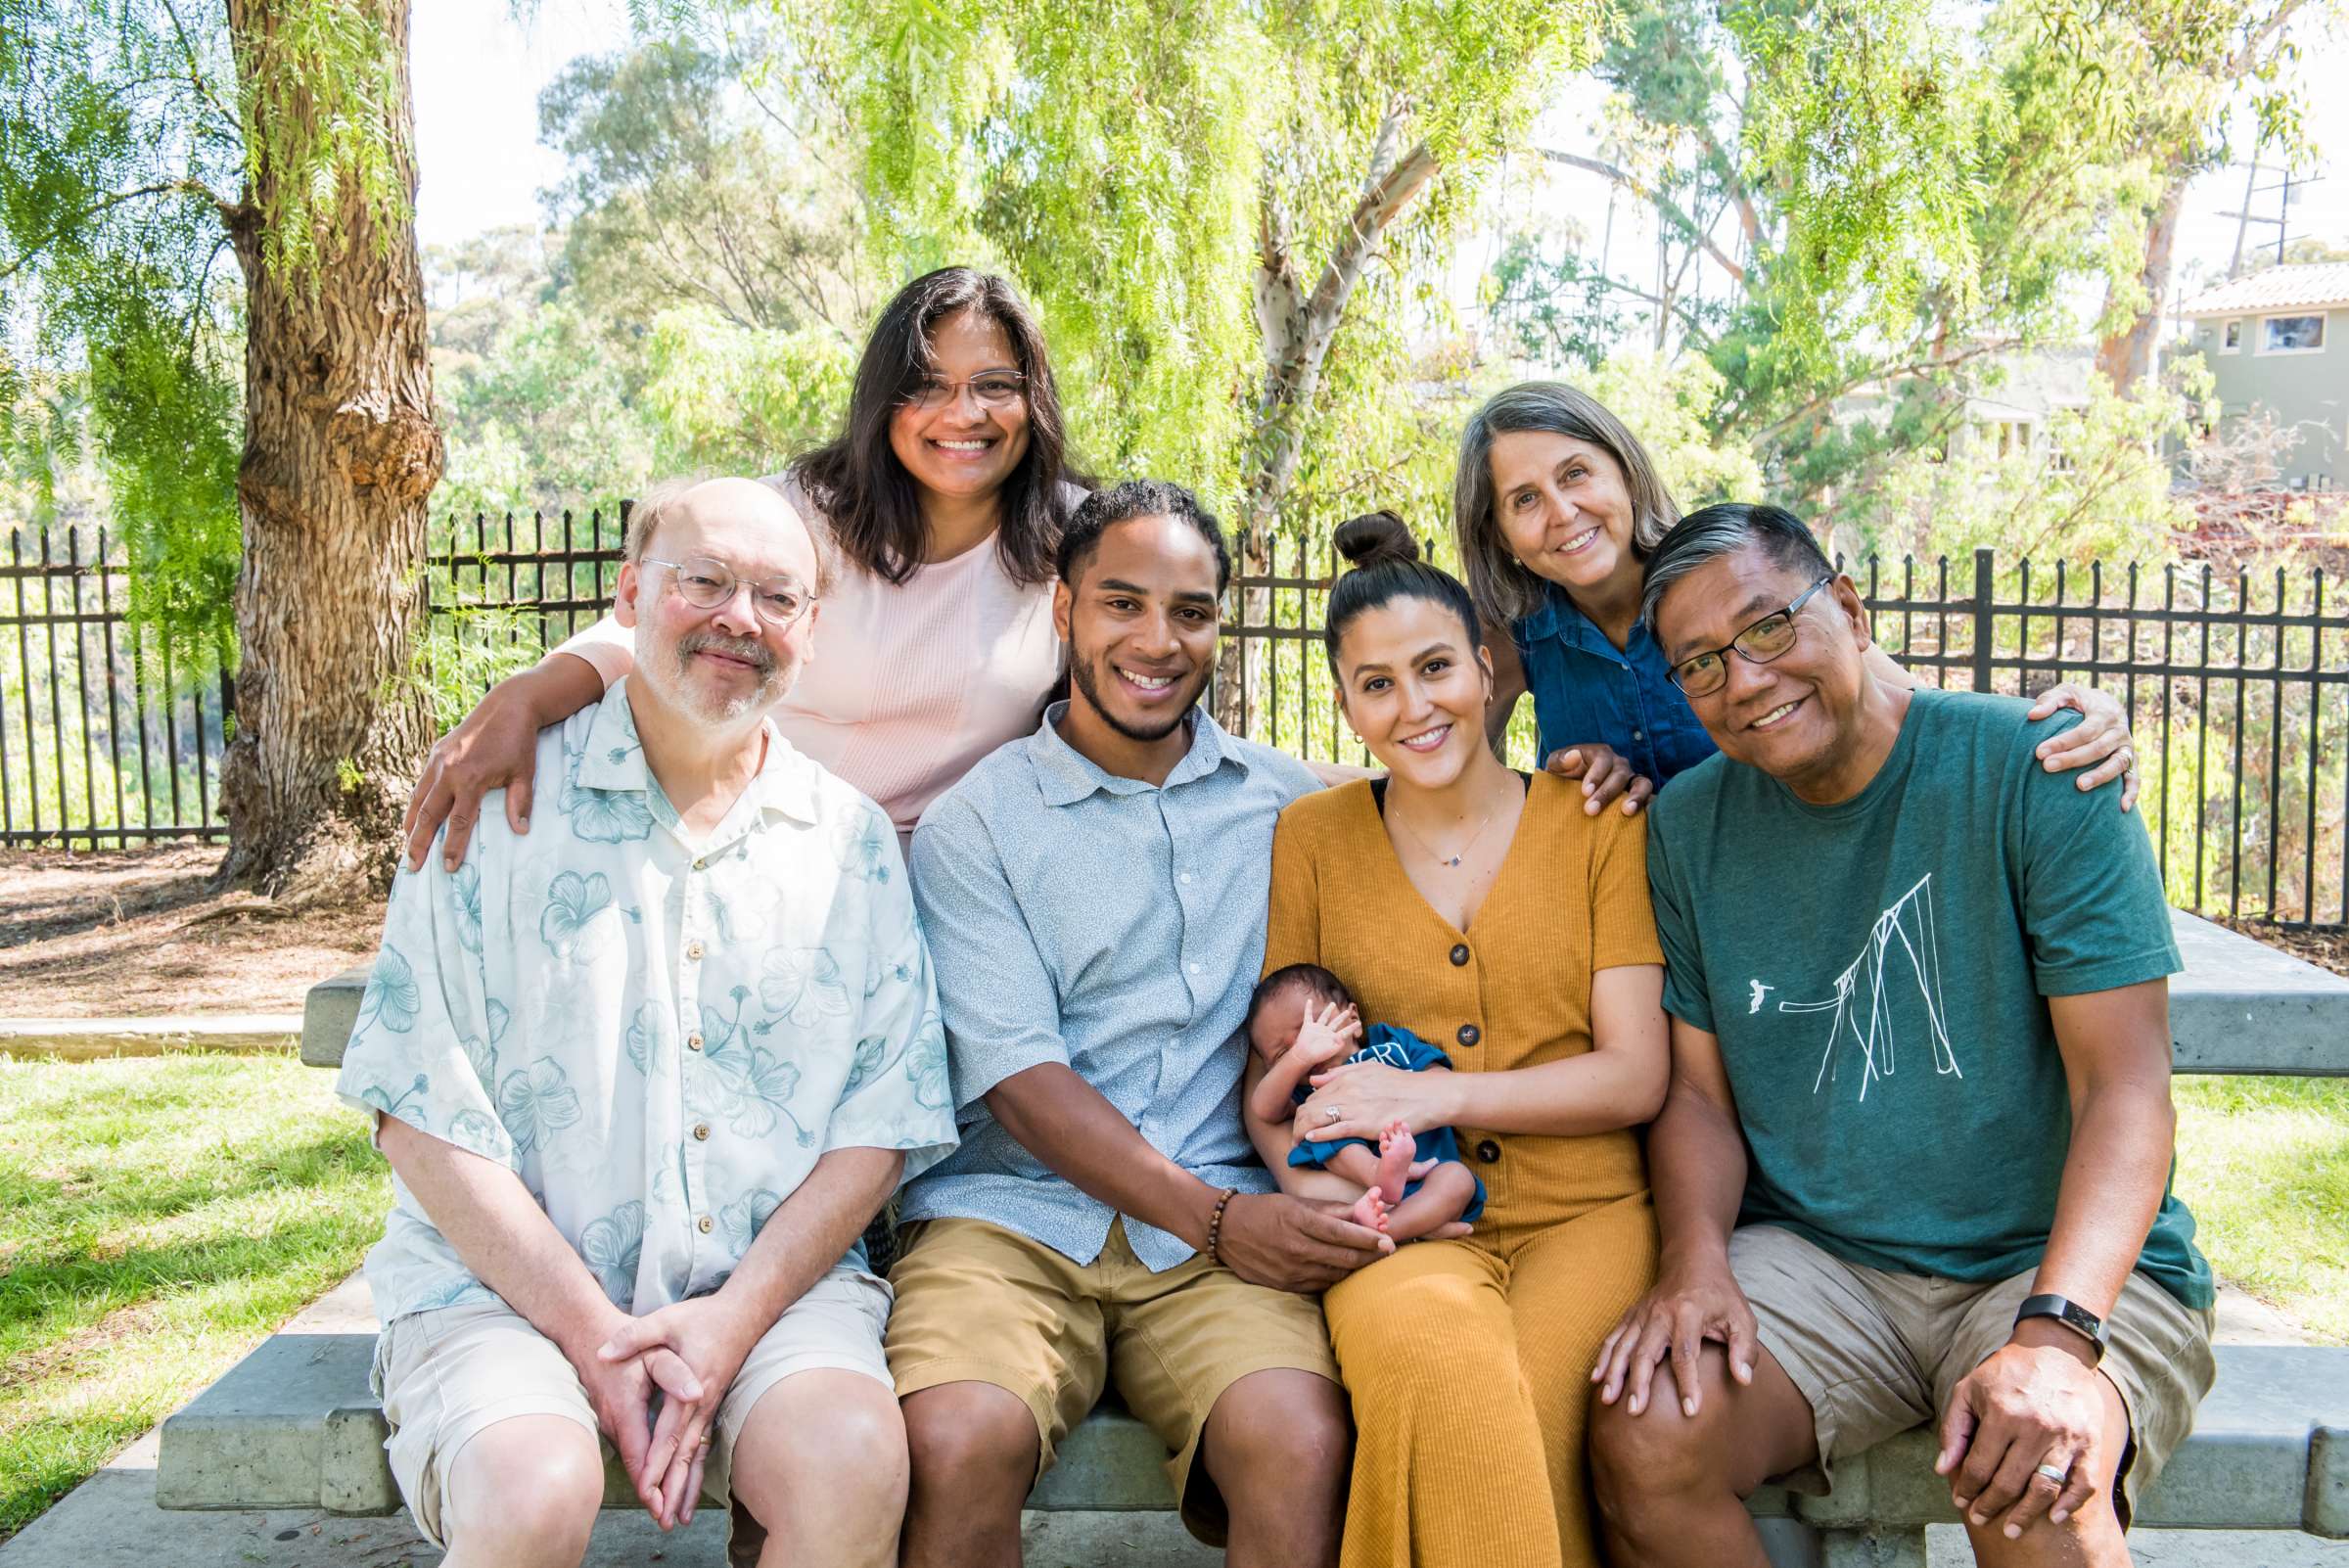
(996, 389)
(706, 583)
(1702, 675)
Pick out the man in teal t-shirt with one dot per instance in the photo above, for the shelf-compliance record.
(1915, 1162)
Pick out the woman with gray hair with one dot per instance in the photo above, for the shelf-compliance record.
(1555, 508)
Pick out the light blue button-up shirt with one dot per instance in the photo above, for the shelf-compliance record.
(1111, 925)
(660, 1035)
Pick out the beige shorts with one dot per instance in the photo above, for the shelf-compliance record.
(1878, 1352)
(446, 1375)
(980, 1304)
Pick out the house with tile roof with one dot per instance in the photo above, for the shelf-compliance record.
(2278, 341)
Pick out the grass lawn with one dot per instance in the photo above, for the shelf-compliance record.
(2264, 1164)
(158, 1217)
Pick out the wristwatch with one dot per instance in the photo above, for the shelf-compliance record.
(2070, 1313)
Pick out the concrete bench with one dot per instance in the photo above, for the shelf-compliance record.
(294, 1424)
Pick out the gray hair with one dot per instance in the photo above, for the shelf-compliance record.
(1723, 530)
(1505, 591)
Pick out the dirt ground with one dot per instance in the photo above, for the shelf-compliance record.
(2327, 949)
(135, 933)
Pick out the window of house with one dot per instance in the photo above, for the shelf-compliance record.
(2291, 334)
(2231, 338)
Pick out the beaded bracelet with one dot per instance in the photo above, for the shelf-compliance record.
(1215, 1225)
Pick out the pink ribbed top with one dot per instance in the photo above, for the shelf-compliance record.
(910, 683)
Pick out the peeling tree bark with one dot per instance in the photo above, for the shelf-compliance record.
(341, 454)
(2127, 357)
(1297, 328)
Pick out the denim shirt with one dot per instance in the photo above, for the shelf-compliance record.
(1587, 689)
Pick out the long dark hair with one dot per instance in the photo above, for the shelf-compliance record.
(866, 492)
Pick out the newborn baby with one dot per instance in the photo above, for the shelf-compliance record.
(1301, 1021)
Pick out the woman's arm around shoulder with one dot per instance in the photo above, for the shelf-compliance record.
(497, 747)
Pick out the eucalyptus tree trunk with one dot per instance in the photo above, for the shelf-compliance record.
(341, 454)
(2127, 357)
(1297, 325)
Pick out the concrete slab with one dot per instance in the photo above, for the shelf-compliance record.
(111, 1521)
(84, 1040)
(2242, 1006)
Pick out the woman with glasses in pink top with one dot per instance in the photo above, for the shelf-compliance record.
(944, 498)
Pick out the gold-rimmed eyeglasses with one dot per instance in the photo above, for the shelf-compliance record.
(1702, 675)
(706, 583)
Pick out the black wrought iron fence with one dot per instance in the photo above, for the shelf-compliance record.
(2237, 683)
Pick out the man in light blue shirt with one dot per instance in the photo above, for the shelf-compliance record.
(1094, 898)
(643, 1078)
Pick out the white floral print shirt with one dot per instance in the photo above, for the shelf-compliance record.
(660, 1038)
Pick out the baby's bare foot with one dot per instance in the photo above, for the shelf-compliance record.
(1371, 1211)
(1395, 1150)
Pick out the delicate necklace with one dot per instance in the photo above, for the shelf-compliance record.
(1455, 860)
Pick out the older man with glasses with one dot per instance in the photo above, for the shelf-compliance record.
(643, 1076)
(1913, 1164)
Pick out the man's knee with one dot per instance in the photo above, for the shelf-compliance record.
(1282, 1423)
(1657, 1453)
(536, 1479)
(971, 1437)
(849, 1460)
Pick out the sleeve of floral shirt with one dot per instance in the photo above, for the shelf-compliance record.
(897, 1095)
(428, 1031)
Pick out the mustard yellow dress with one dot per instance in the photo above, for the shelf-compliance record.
(1470, 1361)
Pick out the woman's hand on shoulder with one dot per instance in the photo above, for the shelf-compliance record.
(2099, 742)
(496, 747)
(1605, 774)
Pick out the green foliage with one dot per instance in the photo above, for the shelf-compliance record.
(1670, 405)
(136, 131)
(318, 88)
(743, 401)
(1131, 163)
(2094, 485)
(687, 187)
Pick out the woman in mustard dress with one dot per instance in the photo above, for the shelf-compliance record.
(1490, 915)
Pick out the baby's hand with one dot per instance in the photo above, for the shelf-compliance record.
(1332, 1032)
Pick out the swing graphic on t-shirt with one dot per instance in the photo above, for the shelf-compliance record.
(1901, 950)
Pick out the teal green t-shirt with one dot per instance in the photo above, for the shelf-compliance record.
(1876, 973)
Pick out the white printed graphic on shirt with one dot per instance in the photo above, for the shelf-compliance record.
(1901, 950)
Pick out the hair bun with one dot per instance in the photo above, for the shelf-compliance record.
(1374, 537)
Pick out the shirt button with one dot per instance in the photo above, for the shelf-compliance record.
(693, 1042)
(1194, 969)
(1459, 953)
(1487, 1151)
(1184, 879)
(693, 951)
(1469, 1034)
(1638, 734)
(701, 865)
(703, 1224)
(701, 1132)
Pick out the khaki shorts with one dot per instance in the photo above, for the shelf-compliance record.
(1878, 1352)
(447, 1374)
(980, 1304)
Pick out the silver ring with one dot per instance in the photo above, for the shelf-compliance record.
(2055, 1472)
(1333, 1114)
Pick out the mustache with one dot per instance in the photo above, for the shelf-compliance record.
(750, 650)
